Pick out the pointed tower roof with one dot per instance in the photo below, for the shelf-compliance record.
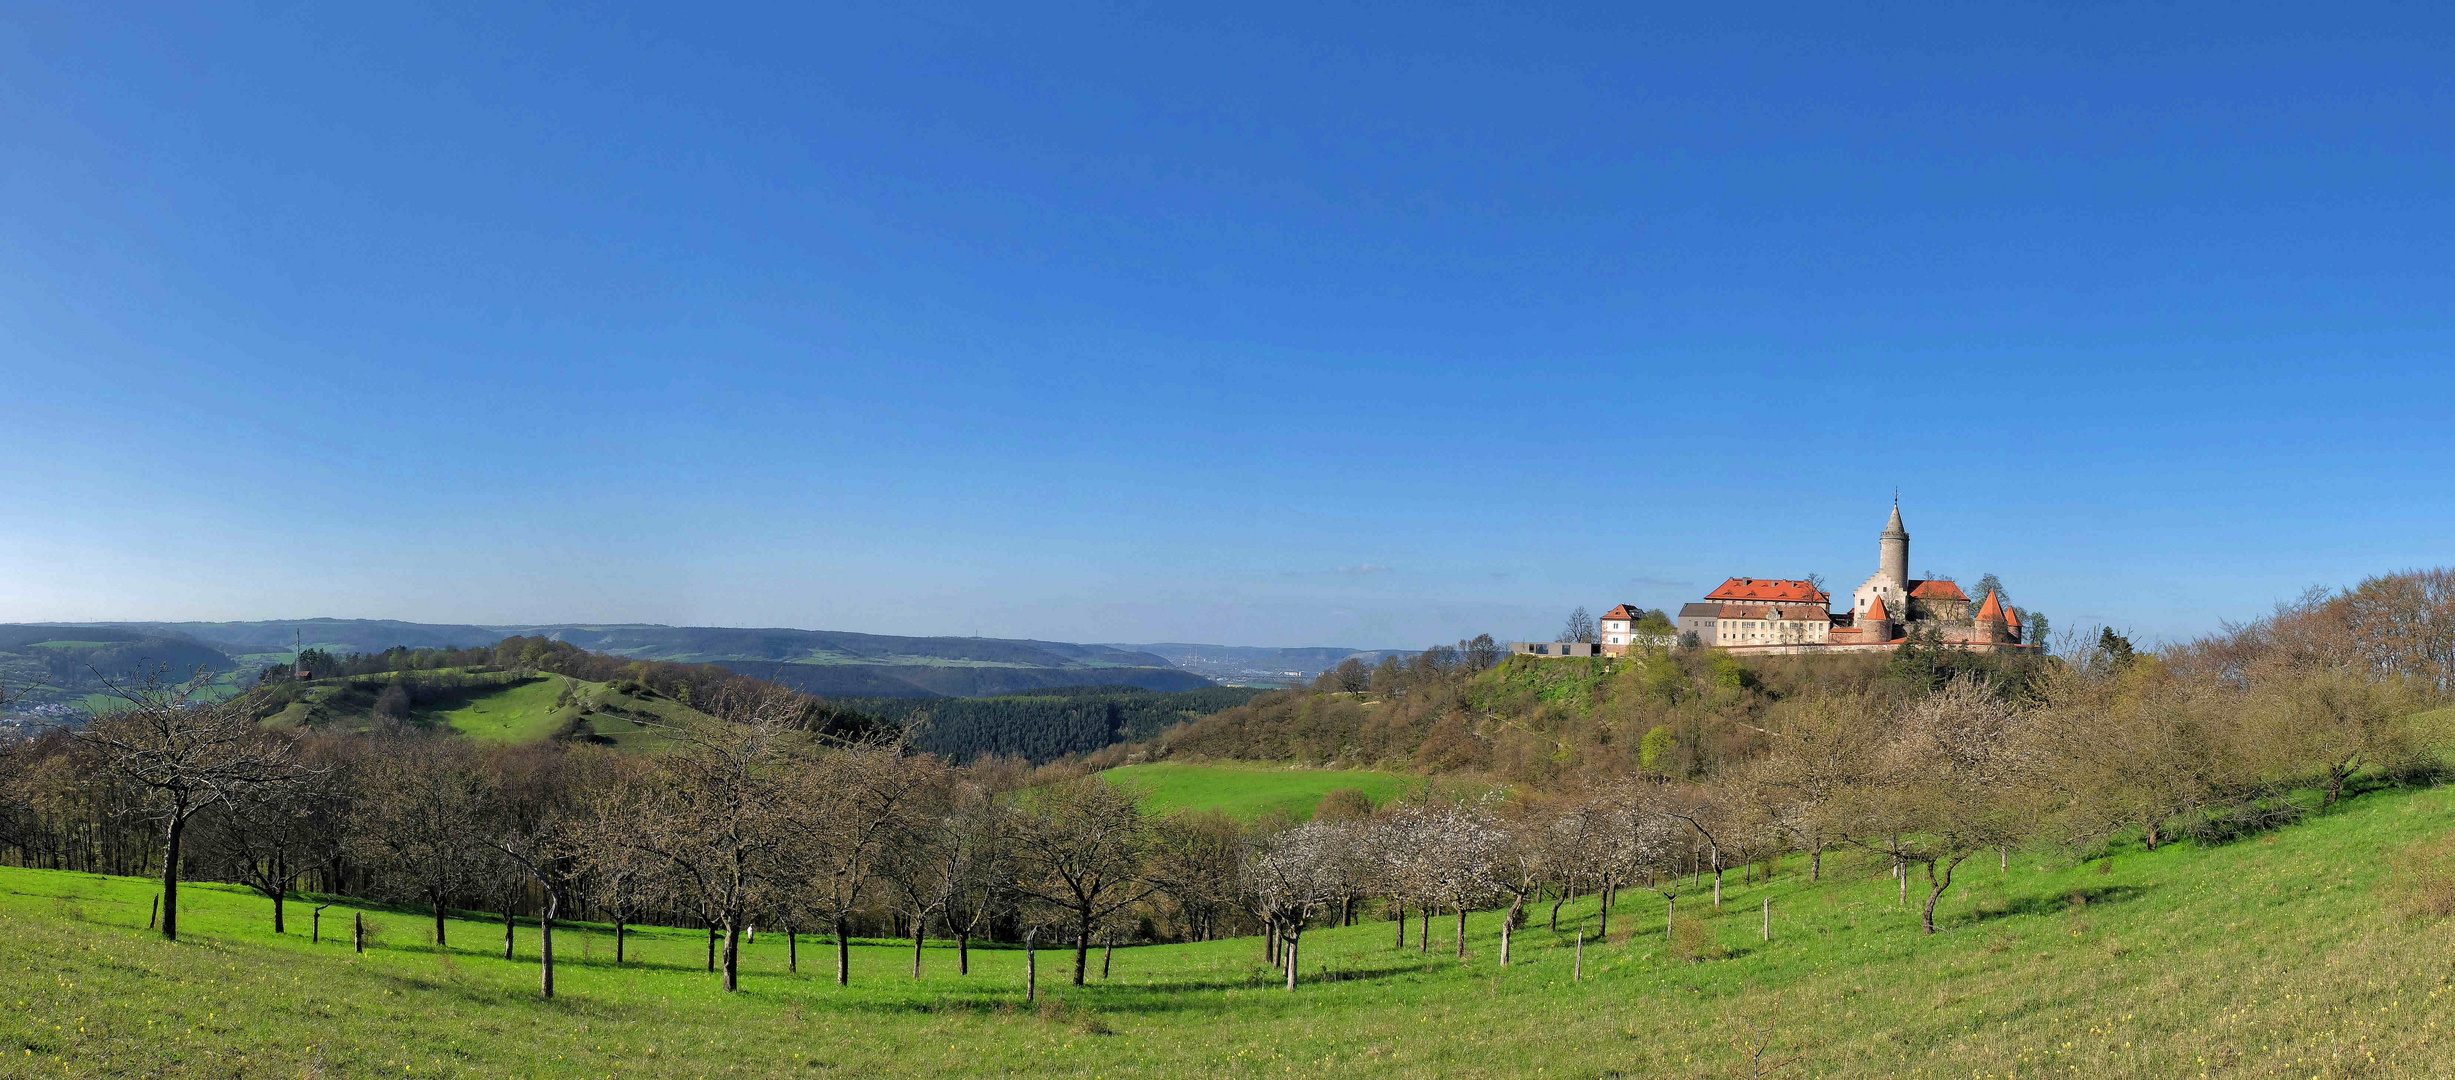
(1876, 611)
(1992, 609)
(1893, 528)
(2011, 616)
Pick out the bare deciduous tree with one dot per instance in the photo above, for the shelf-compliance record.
(1080, 846)
(181, 754)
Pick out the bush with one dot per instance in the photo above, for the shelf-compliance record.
(1692, 940)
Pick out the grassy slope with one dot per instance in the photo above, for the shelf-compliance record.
(517, 713)
(1246, 790)
(2281, 956)
(521, 711)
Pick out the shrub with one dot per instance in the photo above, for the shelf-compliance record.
(1692, 941)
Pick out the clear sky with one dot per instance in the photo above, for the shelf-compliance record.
(1251, 324)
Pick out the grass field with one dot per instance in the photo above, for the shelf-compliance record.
(2280, 956)
(518, 713)
(1244, 790)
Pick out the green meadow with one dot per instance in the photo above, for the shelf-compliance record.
(2302, 953)
(1245, 790)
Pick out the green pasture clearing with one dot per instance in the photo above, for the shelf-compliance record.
(1245, 790)
(2284, 955)
(520, 712)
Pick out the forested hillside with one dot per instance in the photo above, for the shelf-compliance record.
(1657, 712)
(1044, 725)
(71, 663)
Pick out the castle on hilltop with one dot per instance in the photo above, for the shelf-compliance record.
(1775, 615)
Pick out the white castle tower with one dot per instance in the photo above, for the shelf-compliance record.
(1891, 580)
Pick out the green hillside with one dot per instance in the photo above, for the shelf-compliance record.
(2304, 953)
(490, 707)
(1245, 790)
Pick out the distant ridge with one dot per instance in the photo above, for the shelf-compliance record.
(832, 663)
(825, 662)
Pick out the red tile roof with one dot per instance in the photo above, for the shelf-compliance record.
(1991, 610)
(1876, 610)
(1626, 612)
(1937, 589)
(1773, 589)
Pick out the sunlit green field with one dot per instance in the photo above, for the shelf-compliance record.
(1245, 790)
(2284, 956)
(518, 713)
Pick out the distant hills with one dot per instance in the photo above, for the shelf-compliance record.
(825, 662)
(1251, 666)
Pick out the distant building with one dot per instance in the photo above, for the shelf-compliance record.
(1619, 630)
(1780, 615)
(1555, 649)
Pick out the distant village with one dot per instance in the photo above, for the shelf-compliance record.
(1783, 615)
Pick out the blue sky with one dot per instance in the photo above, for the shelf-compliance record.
(1275, 325)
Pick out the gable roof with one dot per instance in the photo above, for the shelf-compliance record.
(1937, 589)
(1779, 590)
(1629, 612)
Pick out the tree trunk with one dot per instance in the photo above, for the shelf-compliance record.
(279, 894)
(733, 955)
(620, 932)
(172, 834)
(1082, 945)
(918, 924)
(1717, 879)
(1402, 924)
(1507, 921)
(1031, 965)
(153, 919)
(1940, 885)
(843, 952)
(315, 926)
(1555, 910)
(1461, 931)
(1423, 932)
(545, 944)
(358, 933)
(792, 950)
(1602, 932)
(711, 945)
(1108, 952)
(963, 952)
(1295, 937)
(1815, 864)
(507, 926)
(439, 939)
